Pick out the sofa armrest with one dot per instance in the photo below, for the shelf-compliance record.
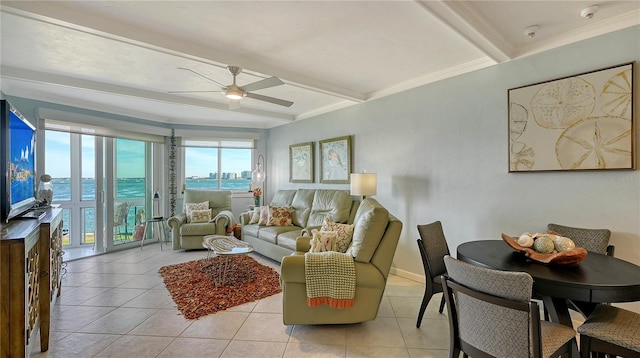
(174, 224)
(223, 221)
(245, 217)
(303, 243)
(292, 269)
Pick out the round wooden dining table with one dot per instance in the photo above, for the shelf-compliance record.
(597, 279)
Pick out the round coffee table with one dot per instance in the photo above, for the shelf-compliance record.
(225, 247)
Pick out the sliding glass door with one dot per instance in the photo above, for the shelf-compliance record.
(102, 185)
(130, 188)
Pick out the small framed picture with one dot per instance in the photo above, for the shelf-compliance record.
(335, 160)
(301, 165)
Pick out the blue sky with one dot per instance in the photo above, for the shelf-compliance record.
(199, 162)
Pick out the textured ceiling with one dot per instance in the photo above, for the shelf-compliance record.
(123, 57)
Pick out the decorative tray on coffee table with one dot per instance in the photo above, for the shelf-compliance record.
(570, 257)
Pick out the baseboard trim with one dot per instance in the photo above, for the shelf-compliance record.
(407, 274)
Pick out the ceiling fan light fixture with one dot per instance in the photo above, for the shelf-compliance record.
(234, 93)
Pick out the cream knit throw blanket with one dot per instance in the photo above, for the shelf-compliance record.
(331, 279)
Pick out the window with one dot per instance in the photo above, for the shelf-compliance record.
(224, 165)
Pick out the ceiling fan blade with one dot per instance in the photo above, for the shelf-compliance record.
(203, 76)
(273, 100)
(265, 83)
(191, 91)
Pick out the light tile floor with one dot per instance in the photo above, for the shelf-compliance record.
(116, 305)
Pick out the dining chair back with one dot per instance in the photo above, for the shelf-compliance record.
(594, 240)
(491, 314)
(611, 330)
(433, 248)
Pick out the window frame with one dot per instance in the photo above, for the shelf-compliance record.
(216, 143)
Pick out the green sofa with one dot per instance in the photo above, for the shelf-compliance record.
(375, 237)
(309, 208)
(190, 236)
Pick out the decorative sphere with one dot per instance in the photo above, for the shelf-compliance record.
(543, 244)
(563, 244)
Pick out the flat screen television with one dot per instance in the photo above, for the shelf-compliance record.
(18, 186)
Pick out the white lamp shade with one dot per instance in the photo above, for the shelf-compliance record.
(364, 184)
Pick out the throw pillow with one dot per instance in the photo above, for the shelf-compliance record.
(200, 216)
(189, 207)
(279, 216)
(323, 241)
(344, 233)
(264, 215)
(255, 215)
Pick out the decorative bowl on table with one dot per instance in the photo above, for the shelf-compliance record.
(568, 257)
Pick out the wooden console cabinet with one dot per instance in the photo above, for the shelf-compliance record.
(30, 273)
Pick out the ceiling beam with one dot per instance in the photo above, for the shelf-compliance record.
(462, 18)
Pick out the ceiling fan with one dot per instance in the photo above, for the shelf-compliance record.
(235, 93)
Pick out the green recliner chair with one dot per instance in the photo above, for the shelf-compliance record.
(188, 235)
(375, 238)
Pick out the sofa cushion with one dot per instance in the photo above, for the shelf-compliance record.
(271, 233)
(288, 239)
(301, 205)
(344, 233)
(190, 207)
(370, 224)
(279, 215)
(198, 229)
(283, 197)
(218, 199)
(334, 204)
(251, 229)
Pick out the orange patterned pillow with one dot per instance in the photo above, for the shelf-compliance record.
(344, 233)
(279, 216)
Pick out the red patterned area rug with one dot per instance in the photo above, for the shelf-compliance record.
(193, 284)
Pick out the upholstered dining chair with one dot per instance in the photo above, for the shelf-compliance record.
(433, 247)
(491, 314)
(611, 330)
(594, 240)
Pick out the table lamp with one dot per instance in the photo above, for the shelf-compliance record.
(364, 184)
(156, 205)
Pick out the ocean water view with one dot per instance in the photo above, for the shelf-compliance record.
(133, 189)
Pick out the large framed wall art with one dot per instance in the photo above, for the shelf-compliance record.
(335, 160)
(301, 164)
(581, 122)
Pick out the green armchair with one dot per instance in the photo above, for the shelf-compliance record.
(375, 237)
(188, 235)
